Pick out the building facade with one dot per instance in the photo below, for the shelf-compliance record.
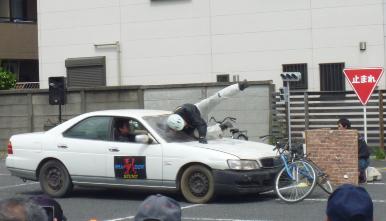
(19, 39)
(148, 42)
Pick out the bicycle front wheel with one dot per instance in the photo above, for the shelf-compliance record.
(295, 183)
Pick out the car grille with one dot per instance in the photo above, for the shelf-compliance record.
(271, 162)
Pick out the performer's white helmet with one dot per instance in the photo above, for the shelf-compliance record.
(176, 122)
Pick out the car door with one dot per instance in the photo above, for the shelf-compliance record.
(131, 162)
(84, 146)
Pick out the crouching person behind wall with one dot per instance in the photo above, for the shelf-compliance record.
(363, 150)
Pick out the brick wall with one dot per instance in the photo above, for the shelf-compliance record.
(336, 152)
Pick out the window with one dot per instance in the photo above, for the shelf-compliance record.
(223, 78)
(331, 77)
(25, 70)
(125, 129)
(18, 10)
(93, 128)
(4, 10)
(302, 68)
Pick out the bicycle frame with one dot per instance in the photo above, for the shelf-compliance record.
(289, 169)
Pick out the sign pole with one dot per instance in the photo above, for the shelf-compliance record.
(363, 81)
(365, 122)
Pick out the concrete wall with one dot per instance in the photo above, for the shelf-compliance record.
(191, 41)
(250, 107)
(27, 111)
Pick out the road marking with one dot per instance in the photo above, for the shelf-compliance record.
(325, 200)
(12, 186)
(5, 174)
(376, 183)
(191, 206)
(214, 219)
(131, 217)
(118, 219)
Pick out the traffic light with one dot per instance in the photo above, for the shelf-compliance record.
(283, 94)
(291, 76)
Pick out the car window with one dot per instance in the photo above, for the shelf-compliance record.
(125, 129)
(94, 128)
(158, 123)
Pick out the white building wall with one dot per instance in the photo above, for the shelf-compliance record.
(191, 41)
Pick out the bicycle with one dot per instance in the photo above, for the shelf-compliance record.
(235, 132)
(297, 179)
(323, 180)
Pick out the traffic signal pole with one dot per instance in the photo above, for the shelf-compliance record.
(288, 77)
(289, 116)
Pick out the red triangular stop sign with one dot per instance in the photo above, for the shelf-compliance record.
(363, 81)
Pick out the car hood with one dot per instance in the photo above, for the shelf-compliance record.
(240, 148)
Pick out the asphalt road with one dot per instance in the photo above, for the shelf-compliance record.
(121, 205)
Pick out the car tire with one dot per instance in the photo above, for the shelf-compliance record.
(55, 179)
(197, 184)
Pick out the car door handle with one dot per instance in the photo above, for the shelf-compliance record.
(113, 149)
(62, 146)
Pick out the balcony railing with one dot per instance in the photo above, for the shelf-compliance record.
(27, 85)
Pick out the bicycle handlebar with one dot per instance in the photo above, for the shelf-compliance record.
(233, 119)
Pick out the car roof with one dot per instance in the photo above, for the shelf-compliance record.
(129, 112)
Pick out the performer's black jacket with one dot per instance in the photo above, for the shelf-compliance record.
(192, 117)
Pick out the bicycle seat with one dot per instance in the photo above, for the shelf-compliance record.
(235, 130)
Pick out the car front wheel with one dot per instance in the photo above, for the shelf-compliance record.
(54, 179)
(197, 184)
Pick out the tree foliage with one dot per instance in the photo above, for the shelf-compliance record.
(7, 80)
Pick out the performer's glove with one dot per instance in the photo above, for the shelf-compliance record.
(243, 84)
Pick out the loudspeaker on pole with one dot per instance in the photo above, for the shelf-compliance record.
(57, 90)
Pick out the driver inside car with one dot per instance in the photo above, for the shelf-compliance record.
(124, 131)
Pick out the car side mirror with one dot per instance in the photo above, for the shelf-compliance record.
(143, 138)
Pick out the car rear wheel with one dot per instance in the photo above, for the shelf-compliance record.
(197, 184)
(54, 179)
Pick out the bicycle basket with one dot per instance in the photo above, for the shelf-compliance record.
(297, 150)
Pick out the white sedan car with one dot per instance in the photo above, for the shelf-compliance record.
(84, 151)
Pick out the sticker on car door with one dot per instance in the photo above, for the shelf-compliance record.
(130, 167)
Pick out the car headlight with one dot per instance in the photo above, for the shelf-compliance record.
(243, 164)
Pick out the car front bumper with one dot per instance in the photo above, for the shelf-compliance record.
(242, 182)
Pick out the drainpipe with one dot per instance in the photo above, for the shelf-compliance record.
(118, 48)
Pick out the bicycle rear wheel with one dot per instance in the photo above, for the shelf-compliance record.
(297, 185)
(325, 184)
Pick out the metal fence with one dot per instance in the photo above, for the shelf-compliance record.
(315, 110)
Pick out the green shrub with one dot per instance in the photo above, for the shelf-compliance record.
(379, 153)
(7, 80)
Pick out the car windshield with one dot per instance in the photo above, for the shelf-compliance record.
(158, 123)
